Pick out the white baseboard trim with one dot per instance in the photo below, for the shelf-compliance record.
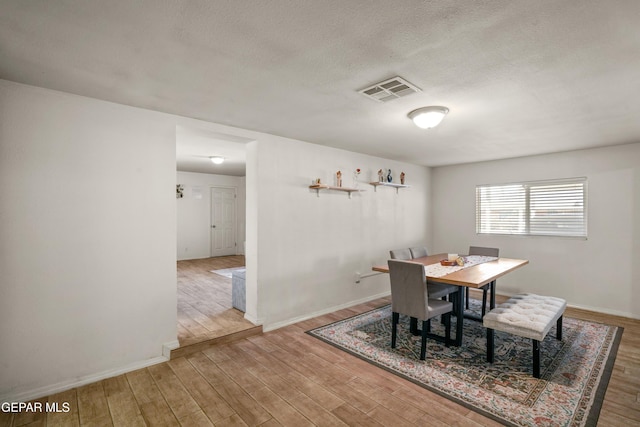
(288, 322)
(587, 308)
(253, 320)
(167, 347)
(604, 311)
(27, 395)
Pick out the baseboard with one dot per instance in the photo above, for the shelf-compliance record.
(253, 320)
(167, 347)
(288, 322)
(591, 309)
(37, 393)
(604, 311)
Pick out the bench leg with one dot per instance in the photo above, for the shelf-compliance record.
(559, 329)
(536, 358)
(490, 345)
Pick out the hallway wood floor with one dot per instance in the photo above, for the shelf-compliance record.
(286, 377)
(204, 300)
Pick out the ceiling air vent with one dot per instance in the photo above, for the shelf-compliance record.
(389, 90)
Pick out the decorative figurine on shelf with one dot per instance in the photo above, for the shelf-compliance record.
(179, 191)
(380, 176)
(356, 174)
(402, 178)
(339, 179)
(389, 177)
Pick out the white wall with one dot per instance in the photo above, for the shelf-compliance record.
(194, 212)
(309, 248)
(88, 235)
(87, 238)
(601, 273)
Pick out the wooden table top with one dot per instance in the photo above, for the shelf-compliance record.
(472, 277)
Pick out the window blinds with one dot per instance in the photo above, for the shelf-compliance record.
(542, 208)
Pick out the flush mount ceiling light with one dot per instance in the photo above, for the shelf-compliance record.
(217, 160)
(428, 117)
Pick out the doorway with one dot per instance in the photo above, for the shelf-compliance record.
(211, 231)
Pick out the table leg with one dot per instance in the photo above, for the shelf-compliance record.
(459, 319)
(492, 295)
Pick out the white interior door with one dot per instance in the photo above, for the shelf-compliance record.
(223, 221)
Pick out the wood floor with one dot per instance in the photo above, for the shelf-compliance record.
(204, 301)
(286, 377)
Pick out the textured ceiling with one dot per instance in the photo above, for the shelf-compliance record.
(520, 77)
(195, 147)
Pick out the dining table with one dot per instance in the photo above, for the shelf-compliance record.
(474, 276)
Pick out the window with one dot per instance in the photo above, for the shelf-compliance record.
(542, 208)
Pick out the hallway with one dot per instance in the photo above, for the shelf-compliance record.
(204, 300)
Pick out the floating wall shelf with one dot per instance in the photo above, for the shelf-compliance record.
(387, 184)
(319, 187)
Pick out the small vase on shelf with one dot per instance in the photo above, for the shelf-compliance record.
(356, 173)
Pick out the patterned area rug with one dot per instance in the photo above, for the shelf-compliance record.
(574, 372)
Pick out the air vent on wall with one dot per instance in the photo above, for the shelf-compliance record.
(388, 90)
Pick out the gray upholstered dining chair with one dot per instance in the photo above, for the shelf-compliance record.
(479, 250)
(419, 252)
(436, 290)
(409, 296)
(400, 254)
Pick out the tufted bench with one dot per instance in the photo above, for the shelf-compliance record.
(525, 315)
